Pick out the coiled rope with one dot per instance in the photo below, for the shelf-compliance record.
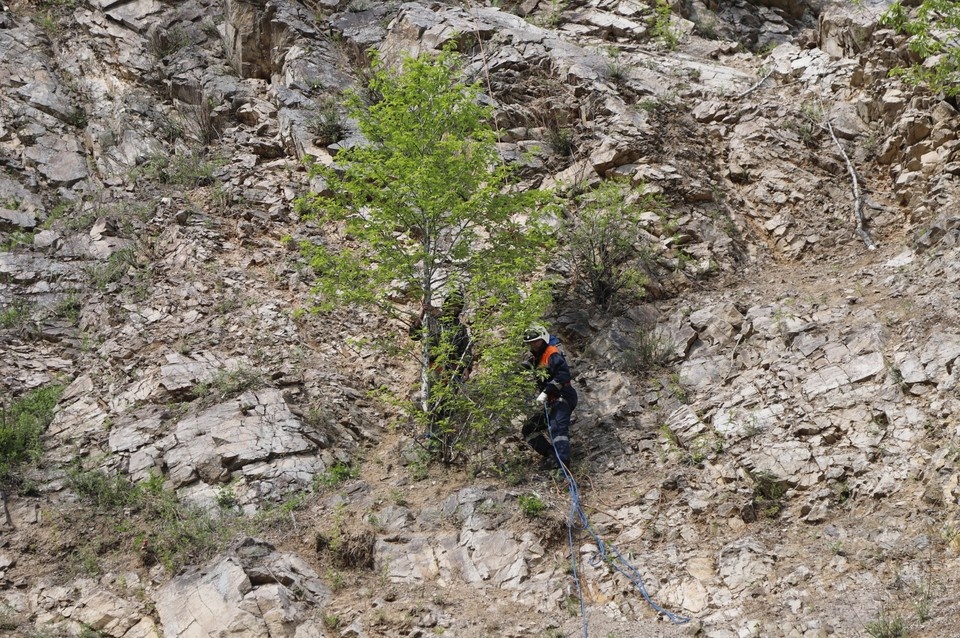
(606, 553)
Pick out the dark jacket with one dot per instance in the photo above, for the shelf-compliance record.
(554, 373)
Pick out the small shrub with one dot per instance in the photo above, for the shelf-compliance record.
(164, 42)
(885, 627)
(199, 120)
(560, 141)
(227, 384)
(68, 308)
(162, 528)
(191, 169)
(335, 475)
(327, 123)
(553, 17)
(660, 25)
(347, 550)
(21, 426)
(602, 235)
(16, 239)
(77, 117)
(331, 621)
(650, 350)
(117, 265)
(9, 620)
(617, 72)
(15, 315)
(104, 491)
(707, 28)
(531, 505)
(226, 498)
(767, 493)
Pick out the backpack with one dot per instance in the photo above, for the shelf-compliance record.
(555, 341)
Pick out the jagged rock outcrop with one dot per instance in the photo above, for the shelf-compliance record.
(795, 458)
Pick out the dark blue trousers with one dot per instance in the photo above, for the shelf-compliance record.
(535, 430)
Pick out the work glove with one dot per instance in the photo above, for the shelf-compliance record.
(542, 397)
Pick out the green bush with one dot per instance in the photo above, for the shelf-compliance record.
(21, 426)
(660, 26)
(531, 505)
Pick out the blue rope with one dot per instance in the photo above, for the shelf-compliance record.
(603, 553)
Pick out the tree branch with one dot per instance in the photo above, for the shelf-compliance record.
(857, 199)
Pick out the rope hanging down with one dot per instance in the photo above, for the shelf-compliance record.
(605, 553)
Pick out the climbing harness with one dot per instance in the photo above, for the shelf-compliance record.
(605, 553)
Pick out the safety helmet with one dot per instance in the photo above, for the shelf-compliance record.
(536, 331)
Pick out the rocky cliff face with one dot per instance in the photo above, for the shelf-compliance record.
(791, 472)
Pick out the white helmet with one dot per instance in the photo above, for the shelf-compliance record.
(536, 331)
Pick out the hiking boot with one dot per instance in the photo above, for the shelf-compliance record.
(548, 463)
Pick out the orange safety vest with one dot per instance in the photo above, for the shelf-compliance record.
(547, 353)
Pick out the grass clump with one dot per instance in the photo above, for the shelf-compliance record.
(15, 315)
(328, 123)
(334, 476)
(884, 627)
(117, 265)
(192, 169)
(22, 423)
(768, 493)
(227, 384)
(650, 350)
(531, 505)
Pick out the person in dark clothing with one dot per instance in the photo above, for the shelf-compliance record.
(448, 341)
(557, 395)
(449, 354)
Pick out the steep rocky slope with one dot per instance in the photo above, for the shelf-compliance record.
(792, 471)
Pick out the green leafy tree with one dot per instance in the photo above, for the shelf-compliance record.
(424, 208)
(933, 30)
(603, 244)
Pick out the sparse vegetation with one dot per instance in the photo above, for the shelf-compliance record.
(199, 120)
(156, 524)
(552, 16)
(16, 239)
(602, 236)
(117, 265)
(345, 548)
(887, 627)
(226, 384)
(15, 315)
(334, 476)
(561, 141)
(649, 350)
(768, 492)
(190, 169)
(164, 42)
